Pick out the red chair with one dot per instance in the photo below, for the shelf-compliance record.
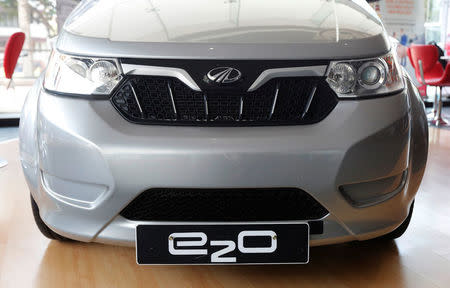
(429, 71)
(12, 53)
(423, 87)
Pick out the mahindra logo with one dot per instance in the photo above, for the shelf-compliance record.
(224, 75)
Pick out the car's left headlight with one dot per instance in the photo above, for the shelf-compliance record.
(75, 75)
(365, 78)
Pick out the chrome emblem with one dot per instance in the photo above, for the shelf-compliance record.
(224, 75)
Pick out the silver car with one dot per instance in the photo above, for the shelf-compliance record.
(236, 131)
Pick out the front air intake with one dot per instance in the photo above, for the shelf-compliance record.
(275, 204)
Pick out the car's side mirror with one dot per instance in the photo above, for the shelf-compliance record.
(12, 53)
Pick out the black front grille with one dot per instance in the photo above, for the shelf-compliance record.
(277, 204)
(281, 101)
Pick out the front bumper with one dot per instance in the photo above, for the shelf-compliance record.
(89, 163)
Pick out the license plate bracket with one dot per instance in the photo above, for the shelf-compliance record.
(230, 243)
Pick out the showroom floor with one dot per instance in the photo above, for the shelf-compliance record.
(421, 258)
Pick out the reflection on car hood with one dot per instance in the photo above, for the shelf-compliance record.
(227, 21)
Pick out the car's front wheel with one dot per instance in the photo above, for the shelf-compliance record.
(45, 230)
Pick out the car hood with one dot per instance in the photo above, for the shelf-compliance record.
(162, 25)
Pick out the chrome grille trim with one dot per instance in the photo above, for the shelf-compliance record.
(308, 71)
(265, 76)
(308, 104)
(144, 70)
(241, 107)
(205, 99)
(171, 98)
(137, 100)
(274, 100)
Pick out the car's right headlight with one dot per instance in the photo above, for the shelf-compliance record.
(74, 75)
(365, 78)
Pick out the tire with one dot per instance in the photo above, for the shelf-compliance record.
(400, 229)
(45, 230)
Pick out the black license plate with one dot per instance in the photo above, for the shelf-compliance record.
(222, 244)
